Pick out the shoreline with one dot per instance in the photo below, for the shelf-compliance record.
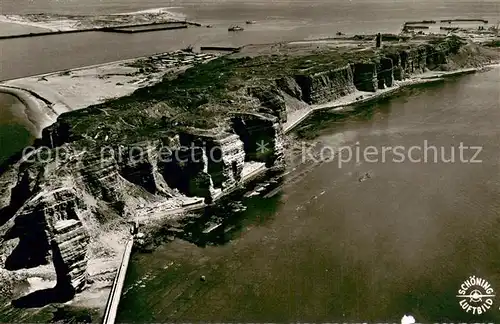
(258, 171)
(342, 103)
(44, 105)
(347, 101)
(48, 95)
(116, 62)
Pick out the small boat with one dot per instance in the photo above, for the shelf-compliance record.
(365, 177)
(229, 229)
(251, 22)
(235, 28)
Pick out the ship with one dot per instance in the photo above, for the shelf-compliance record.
(250, 22)
(235, 28)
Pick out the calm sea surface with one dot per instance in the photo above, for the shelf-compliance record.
(332, 248)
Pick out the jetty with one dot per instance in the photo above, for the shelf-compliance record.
(128, 29)
(420, 22)
(220, 49)
(116, 289)
(145, 28)
(411, 27)
(464, 20)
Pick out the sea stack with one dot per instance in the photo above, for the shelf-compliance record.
(378, 40)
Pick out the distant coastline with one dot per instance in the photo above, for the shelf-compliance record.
(65, 23)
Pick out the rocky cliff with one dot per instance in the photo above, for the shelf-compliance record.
(334, 74)
(66, 195)
(321, 87)
(197, 136)
(365, 76)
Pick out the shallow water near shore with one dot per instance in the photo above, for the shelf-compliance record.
(16, 29)
(13, 135)
(334, 248)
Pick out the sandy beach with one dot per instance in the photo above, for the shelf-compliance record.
(49, 95)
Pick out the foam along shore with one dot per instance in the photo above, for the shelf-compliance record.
(49, 95)
(359, 97)
(58, 23)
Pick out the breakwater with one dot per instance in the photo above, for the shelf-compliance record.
(410, 27)
(130, 28)
(464, 20)
(143, 29)
(420, 22)
(220, 48)
(49, 33)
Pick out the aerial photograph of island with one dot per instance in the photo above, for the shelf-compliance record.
(257, 161)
